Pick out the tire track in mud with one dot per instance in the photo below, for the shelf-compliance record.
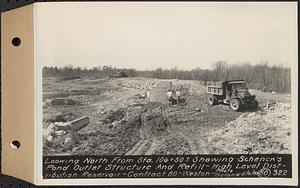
(155, 143)
(197, 146)
(138, 148)
(141, 147)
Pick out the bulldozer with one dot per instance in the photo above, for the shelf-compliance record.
(233, 93)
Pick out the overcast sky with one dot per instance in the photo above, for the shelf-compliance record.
(152, 35)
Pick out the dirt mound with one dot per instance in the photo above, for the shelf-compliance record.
(262, 132)
(123, 133)
(266, 97)
(111, 116)
(61, 101)
(114, 143)
(153, 120)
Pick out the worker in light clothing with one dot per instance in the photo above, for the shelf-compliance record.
(178, 95)
(169, 96)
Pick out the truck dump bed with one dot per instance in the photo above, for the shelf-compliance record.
(215, 89)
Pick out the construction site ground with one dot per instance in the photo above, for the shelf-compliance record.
(124, 122)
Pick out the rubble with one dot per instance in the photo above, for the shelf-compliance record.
(255, 133)
(112, 115)
(63, 132)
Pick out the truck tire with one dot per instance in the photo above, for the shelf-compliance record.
(212, 100)
(254, 104)
(235, 104)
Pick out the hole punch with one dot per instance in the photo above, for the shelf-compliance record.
(15, 144)
(16, 41)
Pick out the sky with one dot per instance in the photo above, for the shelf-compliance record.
(152, 35)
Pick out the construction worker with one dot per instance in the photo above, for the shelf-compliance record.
(178, 95)
(169, 96)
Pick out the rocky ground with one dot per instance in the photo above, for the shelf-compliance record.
(124, 122)
(263, 131)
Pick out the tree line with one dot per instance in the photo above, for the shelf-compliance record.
(260, 76)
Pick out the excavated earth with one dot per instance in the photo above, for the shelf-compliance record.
(124, 122)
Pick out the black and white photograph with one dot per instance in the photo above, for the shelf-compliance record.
(149, 93)
(168, 79)
(200, 80)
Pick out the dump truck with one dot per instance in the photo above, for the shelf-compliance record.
(233, 93)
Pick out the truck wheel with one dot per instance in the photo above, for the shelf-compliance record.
(254, 104)
(235, 104)
(212, 100)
